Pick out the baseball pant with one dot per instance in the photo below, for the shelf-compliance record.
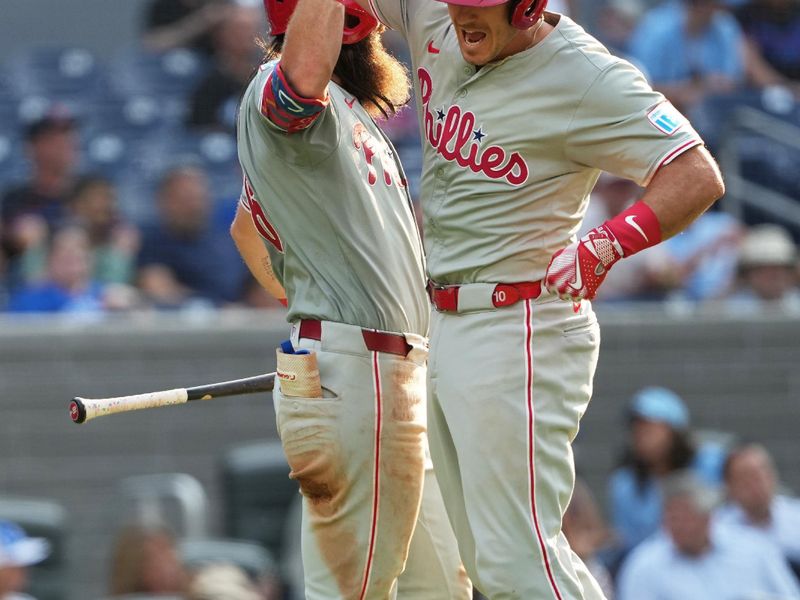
(507, 389)
(358, 455)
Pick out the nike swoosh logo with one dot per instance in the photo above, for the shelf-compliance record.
(350, 102)
(432, 49)
(289, 103)
(631, 220)
(578, 285)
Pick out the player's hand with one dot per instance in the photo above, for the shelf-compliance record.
(576, 272)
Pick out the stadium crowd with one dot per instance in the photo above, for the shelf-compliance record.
(116, 193)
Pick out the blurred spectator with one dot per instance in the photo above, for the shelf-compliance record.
(705, 255)
(659, 444)
(29, 211)
(616, 22)
(68, 286)
(754, 502)
(772, 29)
(145, 561)
(183, 257)
(215, 101)
(17, 553)
(222, 582)
(587, 533)
(691, 560)
(172, 24)
(768, 276)
(646, 276)
(564, 7)
(92, 204)
(690, 49)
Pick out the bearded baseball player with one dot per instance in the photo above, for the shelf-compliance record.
(520, 110)
(325, 222)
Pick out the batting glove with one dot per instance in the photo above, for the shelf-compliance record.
(576, 272)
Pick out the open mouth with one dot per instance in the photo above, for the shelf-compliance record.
(472, 38)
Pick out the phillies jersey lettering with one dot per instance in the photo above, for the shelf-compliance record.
(458, 127)
(512, 150)
(325, 246)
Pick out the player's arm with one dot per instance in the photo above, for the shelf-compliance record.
(312, 45)
(295, 92)
(256, 257)
(678, 193)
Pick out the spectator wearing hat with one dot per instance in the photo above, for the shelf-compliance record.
(659, 443)
(30, 211)
(754, 502)
(768, 277)
(17, 553)
(691, 559)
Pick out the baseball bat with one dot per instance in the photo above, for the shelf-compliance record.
(86, 409)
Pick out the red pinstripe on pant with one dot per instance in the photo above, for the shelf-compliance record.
(531, 467)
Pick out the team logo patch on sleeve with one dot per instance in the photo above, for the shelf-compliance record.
(666, 118)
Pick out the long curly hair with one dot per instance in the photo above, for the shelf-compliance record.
(365, 69)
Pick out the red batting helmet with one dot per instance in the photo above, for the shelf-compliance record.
(358, 23)
(526, 13)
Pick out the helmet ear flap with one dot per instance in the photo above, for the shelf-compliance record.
(527, 13)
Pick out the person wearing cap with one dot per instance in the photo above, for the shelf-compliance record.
(659, 443)
(767, 271)
(17, 553)
(692, 558)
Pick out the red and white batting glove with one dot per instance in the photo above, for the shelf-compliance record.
(576, 272)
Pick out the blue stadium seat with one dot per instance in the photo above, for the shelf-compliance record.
(14, 165)
(62, 72)
(172, 73)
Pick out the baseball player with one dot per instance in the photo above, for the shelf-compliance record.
(520, 110)
(325, 215)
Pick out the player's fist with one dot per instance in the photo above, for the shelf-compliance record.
(576, 272)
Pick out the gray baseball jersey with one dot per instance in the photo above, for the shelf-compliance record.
(354, 254)
(499, 199)
(328, 197)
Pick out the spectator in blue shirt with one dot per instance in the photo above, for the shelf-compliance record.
(68, 286)
(772, 28)
(182, 257)
(660, 444)
(690, 49)
(691, 560)
(755, 504)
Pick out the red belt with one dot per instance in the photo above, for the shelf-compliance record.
(376, 341)
(445, 298)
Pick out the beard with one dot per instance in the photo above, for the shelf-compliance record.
(377, 79)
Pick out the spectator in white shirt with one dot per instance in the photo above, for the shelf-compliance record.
(691, 560)
(751, 482)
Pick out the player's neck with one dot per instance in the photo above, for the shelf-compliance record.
(526, 39)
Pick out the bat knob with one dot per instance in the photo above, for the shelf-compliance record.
(77, 411)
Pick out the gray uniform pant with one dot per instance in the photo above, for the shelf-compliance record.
(507, 389)
(358, 454)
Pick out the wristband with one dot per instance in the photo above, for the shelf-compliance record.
(635, 229)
